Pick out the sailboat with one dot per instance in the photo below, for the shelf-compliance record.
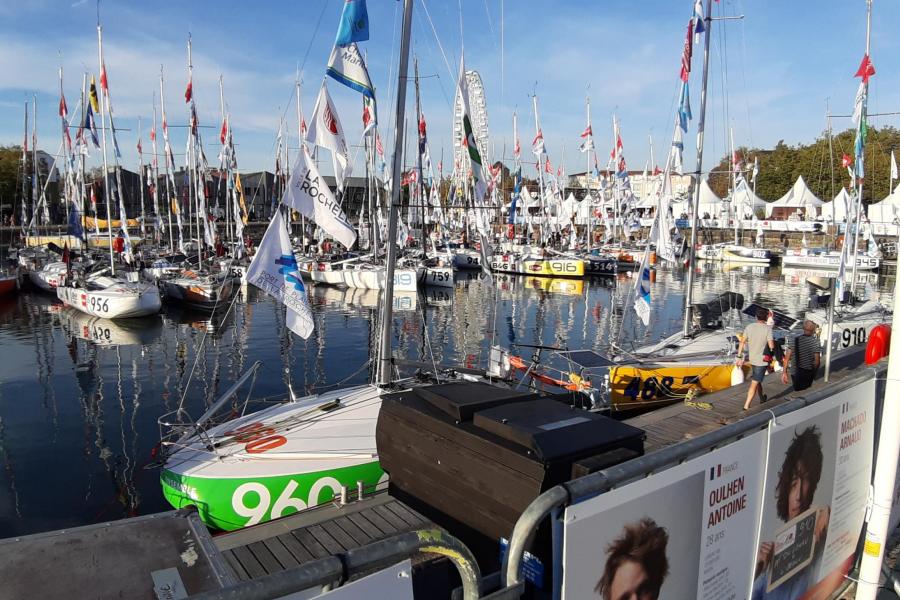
(293, 455)
(101, 293)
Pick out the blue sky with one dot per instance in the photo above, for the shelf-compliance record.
(781, 63)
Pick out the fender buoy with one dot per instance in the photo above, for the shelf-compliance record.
(879, 344)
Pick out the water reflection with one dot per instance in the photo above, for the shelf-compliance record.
(79, 397)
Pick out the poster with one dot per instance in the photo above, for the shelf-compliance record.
(685, 529)
(818, 475)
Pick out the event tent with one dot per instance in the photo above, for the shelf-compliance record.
(745, 202)
(836, 210)
(887, 210)
(799, 199)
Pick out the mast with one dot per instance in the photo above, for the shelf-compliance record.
(537, 129)
(35, 175)
(420, 184)
(384, 357)
(701, 124)
(226, 163)
(859, 180)
(301, 145)
(733, 184)
(141, 177)
(193, 199)
(106, 189)
(169, 175)
(25, 171)
(63, 115)
(84, 197)
(154, 173)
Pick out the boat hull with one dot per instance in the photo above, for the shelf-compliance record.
(8, 285)
(405, 280)
(202, 295)
(466, 259)
(829, 260)
(120, 301)
(637, 387)
(537, 267)
(734, 254)
(437, 277)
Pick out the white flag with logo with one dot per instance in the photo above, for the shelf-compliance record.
(308, 194)
(274, 271)
(347, 66)
(325, 130)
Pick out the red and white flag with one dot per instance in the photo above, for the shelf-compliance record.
(326, 131)
(537, 145)
(866, 69)
(223, 134)
(189, 92)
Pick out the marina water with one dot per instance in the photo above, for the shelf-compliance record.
(80, 397)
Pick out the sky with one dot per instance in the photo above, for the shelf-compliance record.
(771, 75)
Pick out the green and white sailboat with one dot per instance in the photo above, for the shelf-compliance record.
(303, 451)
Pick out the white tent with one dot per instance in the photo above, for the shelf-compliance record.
(710, 204)
(836, 210)
(887, 210)
(798, 199)
(745, 201)
(569, 207)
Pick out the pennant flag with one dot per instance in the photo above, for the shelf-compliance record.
(223, 134)
(104, 83)
(686, 53)
(699, 26)
(677, 151)
(684, 107)
(587, 131)
(92, 94)
(354, 24)
(153, 134)
(63, 109)
(537, 144)
(548, 168)
(308, 194)
(656, 171)
(274, 270)
(346, 65)
(326, 131)
(866, 69)
(189, 91)
(894, 174)
(642, 290)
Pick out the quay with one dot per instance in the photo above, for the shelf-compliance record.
(172, 555)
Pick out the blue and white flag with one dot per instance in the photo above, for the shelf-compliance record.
(347, 66)
(642, 289)
(699, 25)
(274, 271)
(354, 25)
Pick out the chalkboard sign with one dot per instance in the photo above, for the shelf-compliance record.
(794, 546)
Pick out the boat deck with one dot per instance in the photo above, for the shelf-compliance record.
(679, 422)
(324, 531)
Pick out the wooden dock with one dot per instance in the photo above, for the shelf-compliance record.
(323, 531)
(680, 422)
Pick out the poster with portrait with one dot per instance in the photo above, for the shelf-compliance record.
(818, 475)
(680, 533)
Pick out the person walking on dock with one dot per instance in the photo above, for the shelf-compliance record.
(807, 353)
(757, 336)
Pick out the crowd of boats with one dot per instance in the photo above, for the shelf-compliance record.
(241, 464)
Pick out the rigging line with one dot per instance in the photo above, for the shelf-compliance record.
(744, 74)
(394, 52)
(438, 39)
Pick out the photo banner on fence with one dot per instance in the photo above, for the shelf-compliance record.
(776, 515)
(682, 533)
(819, 472)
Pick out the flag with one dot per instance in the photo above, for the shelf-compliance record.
(346, 65)
(469, 138)
(699, 25)
(354, 24)
(684, 107)
(846, 161)
(153, 134)
(517, 149)
(223, 133)
(63, 109)
(588, 136)
(378, 147)
(677, 150)
(140, 147)
(75, 222)
(755, 169)
(517, 186)
(737, 163)
(90, 124)
(326, 131)
(656, 171)
(642, 289)
(537, 144)
(894, 174)
(866, 69)
(862, 128)
(308, 194)
(92, 94)
(189, 91)
(548, 168)
(618, 148)
(274, 271)
(686, 53)
(369, 118)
